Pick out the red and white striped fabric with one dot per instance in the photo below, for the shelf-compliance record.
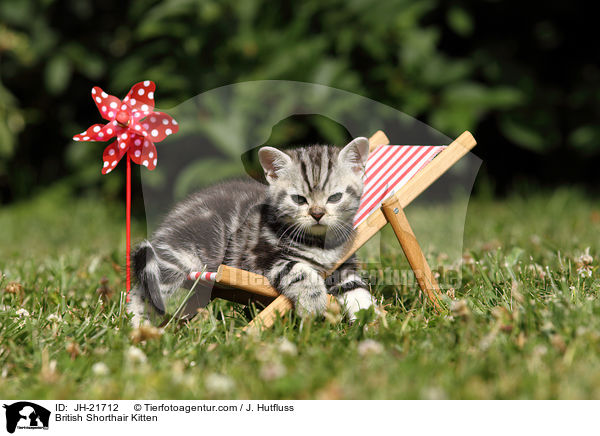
(205, 276)
(389, 167)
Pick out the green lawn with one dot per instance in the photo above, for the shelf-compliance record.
(524, 324)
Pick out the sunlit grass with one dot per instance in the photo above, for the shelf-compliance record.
(524, 324)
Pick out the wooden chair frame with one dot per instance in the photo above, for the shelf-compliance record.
(243, 286)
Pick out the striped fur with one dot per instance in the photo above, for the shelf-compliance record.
(291, 230)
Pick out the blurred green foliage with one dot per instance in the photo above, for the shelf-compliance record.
(430, 59)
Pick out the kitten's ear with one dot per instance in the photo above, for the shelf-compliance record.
(273, 161)
(355, 154)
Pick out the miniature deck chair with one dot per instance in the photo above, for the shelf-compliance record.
(394, 177)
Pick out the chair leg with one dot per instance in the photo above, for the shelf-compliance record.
(408, 241)
(266, 318)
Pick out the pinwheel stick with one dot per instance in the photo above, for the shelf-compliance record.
(128, 227)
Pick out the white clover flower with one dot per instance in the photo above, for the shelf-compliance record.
(584, 264)
(434, 393)
(539, 350)
(369, 346)
(100, 368)
(219, 383)
(135, 355)
(272, 371)
(287, 347)
(584, 271)
(23, 313)
(53, 317)
(585, 258)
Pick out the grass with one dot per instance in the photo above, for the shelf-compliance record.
(524, 323)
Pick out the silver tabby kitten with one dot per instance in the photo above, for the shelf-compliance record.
(291, 231)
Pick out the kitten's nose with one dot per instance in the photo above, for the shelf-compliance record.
(316, 212)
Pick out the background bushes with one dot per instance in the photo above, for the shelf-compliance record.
(522, 76)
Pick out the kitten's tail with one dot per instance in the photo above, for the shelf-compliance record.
(147, 272)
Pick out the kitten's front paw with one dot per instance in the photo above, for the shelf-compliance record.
(355, 300)
(311, 302)
(306, 288)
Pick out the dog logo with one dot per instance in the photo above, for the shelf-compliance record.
(26, 415)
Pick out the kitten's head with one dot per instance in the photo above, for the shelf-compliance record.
(316, 188)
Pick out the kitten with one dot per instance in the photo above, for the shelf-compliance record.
(291, 231)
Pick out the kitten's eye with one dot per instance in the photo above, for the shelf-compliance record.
(335, 198)
(298, 199)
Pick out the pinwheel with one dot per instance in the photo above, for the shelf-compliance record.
(136, 126)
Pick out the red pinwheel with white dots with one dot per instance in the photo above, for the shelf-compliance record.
(133, 122)
(136, 126)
